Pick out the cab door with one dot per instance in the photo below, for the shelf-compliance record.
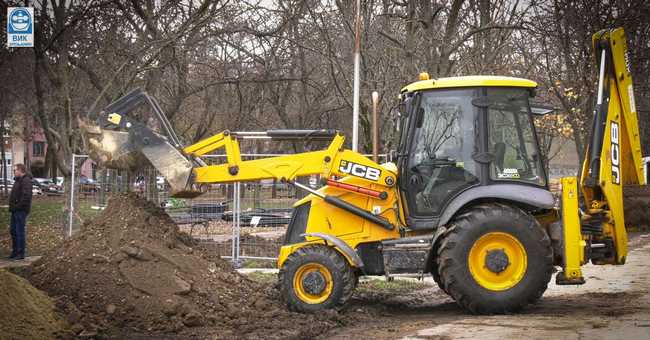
(439, 164)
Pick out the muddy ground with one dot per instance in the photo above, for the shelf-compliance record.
(133, 275)
(26, 312)
(613, 304)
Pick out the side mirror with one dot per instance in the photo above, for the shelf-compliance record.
(540, 109)
(392, 155)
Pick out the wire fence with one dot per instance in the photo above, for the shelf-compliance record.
(244, 222)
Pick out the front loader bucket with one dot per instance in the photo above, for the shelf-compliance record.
(136, 149)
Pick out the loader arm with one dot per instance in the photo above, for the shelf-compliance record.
(120, 142)
(613, 159)
(336, 161)
(333, 161)
(117, 141)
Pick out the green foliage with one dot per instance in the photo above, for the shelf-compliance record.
(177, 203)
(43, 213)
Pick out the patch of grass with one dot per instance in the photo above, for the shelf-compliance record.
(262, 277)
(258, 264)
(50, 211)
(86, 211)
(264, 203)
(44, 212)
(394, 286)
(45, 229)
(44, 226)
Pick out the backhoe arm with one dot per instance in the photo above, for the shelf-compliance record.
(613, 159)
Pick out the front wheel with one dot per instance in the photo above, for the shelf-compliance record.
(495, 259)
(314, 278)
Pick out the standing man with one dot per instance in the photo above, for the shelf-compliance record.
(20, 201)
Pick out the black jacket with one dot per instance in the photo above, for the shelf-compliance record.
(20, 198)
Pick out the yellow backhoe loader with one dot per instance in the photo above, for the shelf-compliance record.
(467, 198)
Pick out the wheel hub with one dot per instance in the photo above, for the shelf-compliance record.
(314, 283)
(496, 260)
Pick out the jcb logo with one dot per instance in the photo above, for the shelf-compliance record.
(616, 153)
(627, 61)
(359, 170)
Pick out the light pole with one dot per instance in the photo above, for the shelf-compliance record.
(375, 127)
(357, 63)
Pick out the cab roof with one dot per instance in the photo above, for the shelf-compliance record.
(468, 81)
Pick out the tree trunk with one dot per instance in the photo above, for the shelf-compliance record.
(50, 162)
(4, 160)
(28, 139)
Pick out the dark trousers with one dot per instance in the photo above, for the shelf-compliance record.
(18, 220)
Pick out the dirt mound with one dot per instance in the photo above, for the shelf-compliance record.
(131, 269)
(636, 200)
(637, 213)
(26, 312)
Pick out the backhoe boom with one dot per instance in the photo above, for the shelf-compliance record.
(613, 159)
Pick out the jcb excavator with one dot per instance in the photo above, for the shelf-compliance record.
(467, 199)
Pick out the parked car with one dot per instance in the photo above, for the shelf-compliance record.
(48, 186)
(36, 181)
(10, 181)
(140, 183)
(88, 185)
(10, 184)
(42, 183)
(160, 183)
(36, 190)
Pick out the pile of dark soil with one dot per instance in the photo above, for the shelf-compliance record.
(130, 269)
(26, 312)
(636, 200)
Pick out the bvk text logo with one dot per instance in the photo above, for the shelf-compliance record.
(20, 27)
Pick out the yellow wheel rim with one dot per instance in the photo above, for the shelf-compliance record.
(497, 261)
(313, 283)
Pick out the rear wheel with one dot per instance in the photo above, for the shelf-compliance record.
(437, 280)
(315, 278)
(495, 259)
(434, 270)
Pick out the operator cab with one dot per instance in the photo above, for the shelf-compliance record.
(461, 133)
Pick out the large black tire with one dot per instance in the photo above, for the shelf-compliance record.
(434, 269)
(436, 279)
(343, 278)
(453, 262)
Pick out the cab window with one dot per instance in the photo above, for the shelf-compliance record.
(511, 138)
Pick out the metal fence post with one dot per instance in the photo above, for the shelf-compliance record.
(236, 223)
(71, 211)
